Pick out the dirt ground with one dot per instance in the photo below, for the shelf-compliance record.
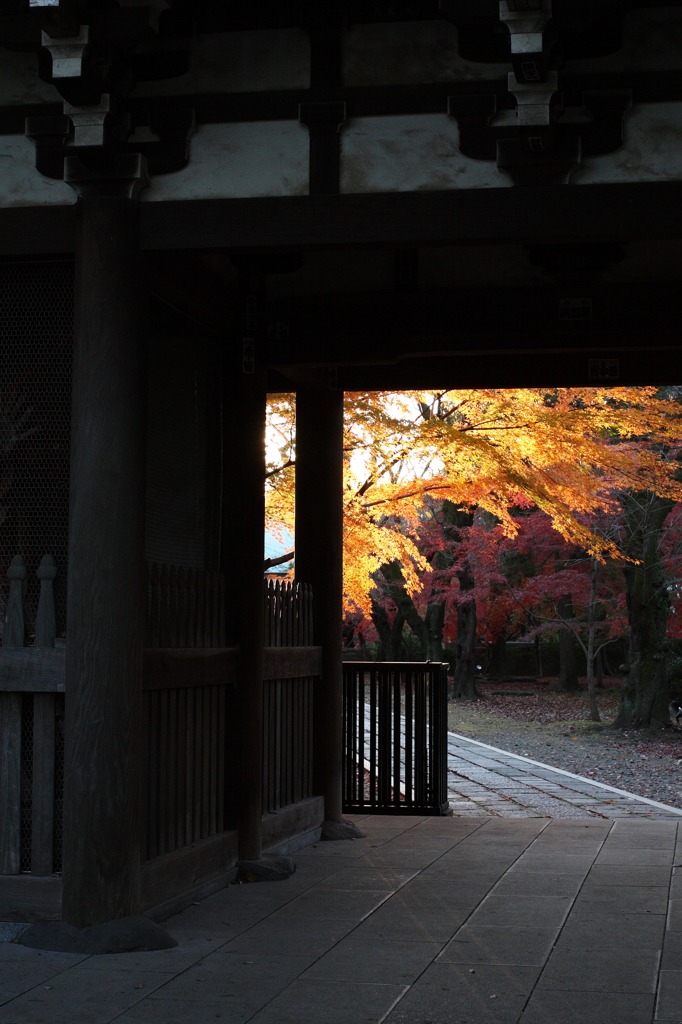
(554, 728)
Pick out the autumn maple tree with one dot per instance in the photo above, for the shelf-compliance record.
(568, 452)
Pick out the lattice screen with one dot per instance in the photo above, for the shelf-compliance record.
(36, 315)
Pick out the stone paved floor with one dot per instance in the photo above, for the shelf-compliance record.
(425, 921)
(484, 780)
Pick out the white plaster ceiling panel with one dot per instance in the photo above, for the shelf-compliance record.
(266, 158)
(21, 184)
(240, 62)
(409, 153)
(652, 150)
(652, 41)
(19, 82)
(409, 52)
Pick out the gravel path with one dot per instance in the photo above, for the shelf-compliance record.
(551, 728)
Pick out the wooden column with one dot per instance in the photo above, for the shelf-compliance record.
(105, 605)
(319, 561)
(242, 545)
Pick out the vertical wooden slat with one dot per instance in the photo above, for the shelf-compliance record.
(221, 818)
(206, 761)
(171, 610)
(152, 775)
(199, 694)
(286, 743)
(267, 604)
(396, 712)
(172, 770)
(409, 738)
(187, 740)
(222, 619)
(296, 753)
(42, 809)
(309, 735)
(212, 608)
(10, 783)
(153, 606)
(277, 744)
(192, 609)
(165, 778)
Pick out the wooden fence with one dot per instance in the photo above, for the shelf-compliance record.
(31, 730)
(189, 702)
(185, 607)
(287, 741)
(191, 705)
(288, 614)
(395, 736)
(191, 765)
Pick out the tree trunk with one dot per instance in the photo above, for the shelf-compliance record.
(498, 660)
(592, 626)
(383, 628)
(434, 621)
(395, 637)
(393, 575)
(568, 650)
(538, 658)
(644, 696)
(599, 670)
(465, 667)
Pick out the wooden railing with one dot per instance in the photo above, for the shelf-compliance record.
(31, 730)
(189, 701)
(191, 679)
(185, 607)
(288, 614)
(191, 765)
(395, 734)
(287, 741)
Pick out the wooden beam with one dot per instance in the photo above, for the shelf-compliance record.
(173, 874)
(30, 898)
(454, 217)
(32, 670)
(106, 592)
(643, 210)
(292, 821)
(243, 514)
(319, 561)
(291, 662)
(169, 668)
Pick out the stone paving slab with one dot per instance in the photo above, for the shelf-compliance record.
(484, 779)
(478, 921)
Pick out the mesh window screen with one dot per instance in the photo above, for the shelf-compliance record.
(36, 315)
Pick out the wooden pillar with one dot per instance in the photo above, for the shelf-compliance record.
(319, 561)
(105, 603)
(242, 545)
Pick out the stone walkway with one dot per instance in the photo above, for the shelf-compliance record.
(425, 921)
(485, 780)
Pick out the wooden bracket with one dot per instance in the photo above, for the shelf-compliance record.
(323, 121)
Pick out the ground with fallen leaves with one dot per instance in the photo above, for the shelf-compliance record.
(532, 720)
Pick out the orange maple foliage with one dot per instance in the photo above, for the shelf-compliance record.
(566, 451)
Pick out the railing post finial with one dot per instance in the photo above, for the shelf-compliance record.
(15, 631)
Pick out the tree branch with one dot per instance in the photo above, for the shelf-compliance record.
(269, 563)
